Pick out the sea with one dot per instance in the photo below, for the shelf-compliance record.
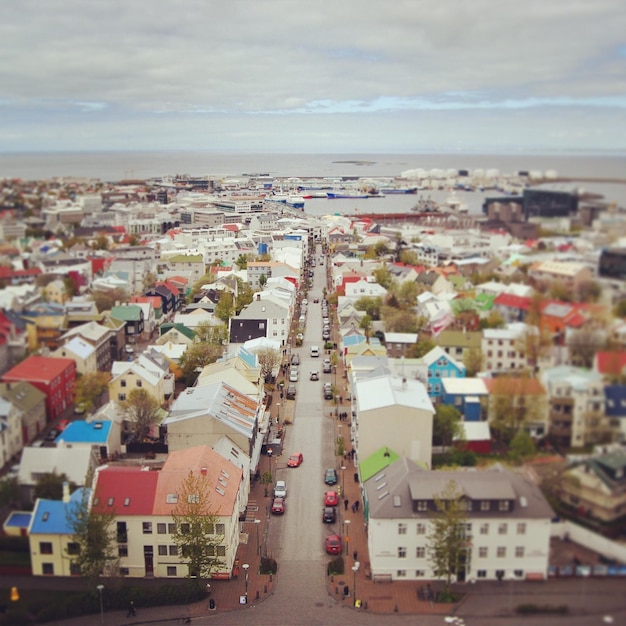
(116, 166)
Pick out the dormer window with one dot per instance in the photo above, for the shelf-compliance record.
(504, 505)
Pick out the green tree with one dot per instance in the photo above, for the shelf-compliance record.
(93, 532)
(447, 539)
(262, 280)
(205, 332)
(90, 387)
(371, 305)
(245, 295)
(196, 535)
(366, 325)
(105, 301)
(447, 425)
(493, 320)
(381, 249)
(383, 277)
(242, 261)
(422, 347)
(225, 308)
(620, 309)
(407, 293)
(409, 257)
(49, 486)
(473, 361)
(149, 280)
(196, 357)
(522, 447)
(142, 411)
(196, 288)
(399, 321)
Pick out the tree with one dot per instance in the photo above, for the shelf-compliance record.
(268, 359)
(399, 321)
(92, 530)
(142, 410)
(583, 345)
(522, 447)
(371, 305)
(225, 308)
(366, 325)
(588, 291)
(493, 320)
(620, 308)
(196, 527)
(90, 387)
(262, 280)
(409, 257)
(196, 288)
(106, 300)
(383, 277)
(447, 541)
(196, 357)
(242, 261)
(49, 486)
(149, 280)
(407, 293)
(205, 332)
(473, 361)
(381, 248)
(245, 296)
(422, 347)
(447, 425)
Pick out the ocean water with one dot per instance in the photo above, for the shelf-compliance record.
(115, 166)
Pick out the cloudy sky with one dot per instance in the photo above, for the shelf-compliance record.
(401, 76)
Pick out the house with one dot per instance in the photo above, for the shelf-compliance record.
(99, 337)
(505, 349)
(168, 299)
(569, 273)
(398, 344)
(394, 412)
(51, 535)
(149, 373)
(261, 318)
(615, 408)
(364, 288)
(440, 365)
(458, 343)
(175, 333)
(103, 436)
(508, 523)
(12, 340)
(476, 437)
(133, 317)
(512, 308)
(82, 352)
(31, 403)
(45, 323)
(10, 431)
(576, 401)
(468, 395)
(55, 377)
(596, 487)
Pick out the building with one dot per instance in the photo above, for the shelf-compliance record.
(55, 377)
(398, 344)
(612, 263)
(507, 529)
(440, 365)
(31, 402)
(505, 349)
(467, 395)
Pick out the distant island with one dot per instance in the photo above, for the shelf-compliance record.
(357, 162)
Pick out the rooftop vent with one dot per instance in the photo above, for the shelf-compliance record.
(523, 501)
(397, 501)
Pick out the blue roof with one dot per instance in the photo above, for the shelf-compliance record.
(17, 519)
(247, 356)
(50, 516)
(615, 396)
(80, 431)
(354, 340)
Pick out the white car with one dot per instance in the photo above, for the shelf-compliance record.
(280, 490)
(293, 375)
(305, 302)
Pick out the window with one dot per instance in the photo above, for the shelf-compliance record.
(45, 547)
(220, 529)
(519, 551)
(161, 528)
(193, 498)
(521, 528)
(171, 570)
(171, 528)
(73, 548)
(481, 573)
(122, 550)
(402, 528)
(421, 529)
(519, 573)
(420, 573)
(402, 553)
(503, 528)
(504, 505)
(75, 569)
(122, 535)
(484, 505)
(422, 505)
(184, 529)
(147, 528)
(121, 397)
(420, 553)
(484, 529)
(139, 383)
(162, 550)
(401, 573)
(47, 569)
(122, 383)
(483, 552)
(221, 550)
(501, 552)
(173, 550)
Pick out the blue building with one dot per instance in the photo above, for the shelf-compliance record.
(440, 366)
(468, 395)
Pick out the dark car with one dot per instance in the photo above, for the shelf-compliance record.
(52, 434)
(330, 476)
(291, 392)
(329, 515)
(333, 544)
(295, 359)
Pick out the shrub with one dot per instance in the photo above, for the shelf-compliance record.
(268, 565)
(533, 609)
(336, 566)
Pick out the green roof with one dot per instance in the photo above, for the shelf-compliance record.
(182, 329)
(376, 462)
(128, 313)
(485, 301)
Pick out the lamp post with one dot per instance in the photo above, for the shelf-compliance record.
(511, 579)
(347, 536)
(278, 411)
(355, 569)
(256, 523)
(246, 566)
(100, 589)
(343, 483)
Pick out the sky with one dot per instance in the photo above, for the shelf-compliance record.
(340, 76)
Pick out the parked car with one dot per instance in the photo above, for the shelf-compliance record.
(331, 498)
(295, 359)
(315, 375)
(293, 375)
(326, 334)
(305, 302)
(278, 506)
(280, 489)
(333, 544)
(329, 515)
(316, 300)
(295, 460)
(63, 424)
(328, 391)
(291, 392)
(52, 434)
(330, 476)
(326, 367)
(129, 349)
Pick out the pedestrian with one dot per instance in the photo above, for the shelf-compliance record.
(355, 555)
(345, 504)
(354, 507)
(131, 610)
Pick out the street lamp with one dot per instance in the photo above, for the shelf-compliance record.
(511, 579)
(246, 566)
(347, 536)
(355, 569)
(100, 588)
(256, 523)
(343, 471)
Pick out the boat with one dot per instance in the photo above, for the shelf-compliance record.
(334, 195)
(398, 190)
(295, 202)
(426, 205)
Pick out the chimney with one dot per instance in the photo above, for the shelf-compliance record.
(258, 297)
(66, 491)
(204, 471)
(404, 383)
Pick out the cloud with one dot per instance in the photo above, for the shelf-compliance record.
(132, 63)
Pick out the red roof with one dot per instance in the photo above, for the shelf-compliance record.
(515, 302)
(8, 272)
(39, 369)
(610, 362)
(126, 490)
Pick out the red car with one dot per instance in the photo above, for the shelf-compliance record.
(333, 544)
(63, 424)
(278, 506)
(295, 460)
(331, 498)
